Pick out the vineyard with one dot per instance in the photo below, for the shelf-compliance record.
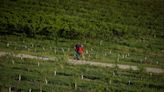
(95, 52)
(19, 74)
(115, 32)
(72, 19)
(55, 76)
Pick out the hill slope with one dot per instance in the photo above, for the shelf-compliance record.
(83, 18)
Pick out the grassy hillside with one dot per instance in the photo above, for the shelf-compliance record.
(83, 18)
(58, 76)
(112, 31)
(109, 29)
(107, 52)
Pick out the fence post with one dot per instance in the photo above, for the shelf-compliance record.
(19, 77)
(101, 42)
(105, 54)
(145, 58)
(110, 82)
(25, 47)
(55, 50)
(91, 49)
(110, 52)
(118, 59)
(43, 48)
(86, 51)
(38, 64)
(46, 81)
(141, 61)
(9, 89)
(30, 90)
(13, 62)
(40, 89)
(68, 49)
(21, 57)
(157, 62)
(123, 56)
(8, 44)
(82, 77)
(75, 85)
(54, 73)
(129, 82)
(113, 73)
(63, 50)
(89, 55)
(32, 45)
(126, 55)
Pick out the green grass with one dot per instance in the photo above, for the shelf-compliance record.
(122, 26)
(107, 52)
(95, 78)
(109, 29)
(82, 19)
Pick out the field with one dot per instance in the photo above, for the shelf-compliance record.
(59, 76)
(128, 32)
(72, 19)
(113, 53)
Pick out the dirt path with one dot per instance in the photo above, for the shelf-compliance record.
(82, 62)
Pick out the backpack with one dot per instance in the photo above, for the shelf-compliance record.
(77, 47)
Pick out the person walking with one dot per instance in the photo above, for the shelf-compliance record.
(77, 54)
(79, 50)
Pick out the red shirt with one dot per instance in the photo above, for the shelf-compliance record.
(81, 50)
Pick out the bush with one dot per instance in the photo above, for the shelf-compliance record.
(69, 34)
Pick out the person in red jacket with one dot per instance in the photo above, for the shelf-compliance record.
(79, 49)
(77, 55)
